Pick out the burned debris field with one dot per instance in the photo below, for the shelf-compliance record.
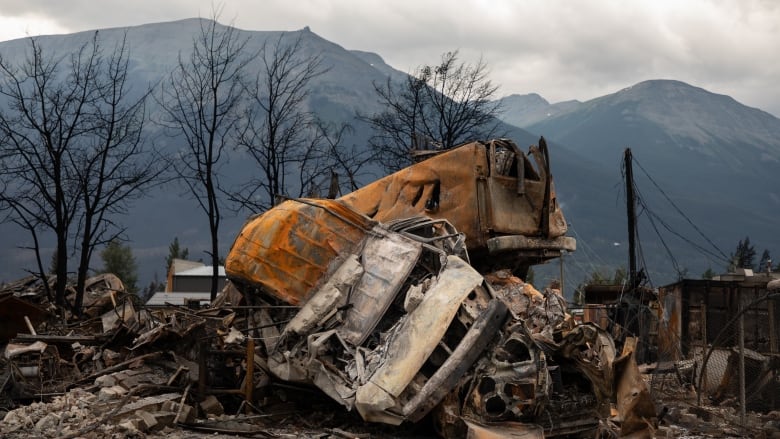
(398, 310)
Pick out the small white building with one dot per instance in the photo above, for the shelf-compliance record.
(189, 284)
(196, 280)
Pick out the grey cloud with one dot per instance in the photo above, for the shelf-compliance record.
(562, 50)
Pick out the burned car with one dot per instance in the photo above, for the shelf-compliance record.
(376, 328)
(404, 302)
(387, 314)
(500, 198)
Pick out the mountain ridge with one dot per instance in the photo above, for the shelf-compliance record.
(714, 156)
(586, 142)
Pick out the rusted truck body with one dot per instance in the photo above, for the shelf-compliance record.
(375, 303)
(503, 200)
(388, 314)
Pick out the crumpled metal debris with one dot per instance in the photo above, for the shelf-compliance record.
(130, 360)
(390, 319)
(399, 323)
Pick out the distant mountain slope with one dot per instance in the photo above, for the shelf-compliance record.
(671, 117)
(715, 158)
(525, 110)
(154, 50)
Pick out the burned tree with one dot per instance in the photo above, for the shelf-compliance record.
(112, 167)
(201, 105)
(71, 148)
(345, 165)
(442, 105)
(17, 211)
(280, 134)
(39, 125)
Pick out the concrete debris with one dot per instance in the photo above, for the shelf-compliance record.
(211, 406)
(399, 310)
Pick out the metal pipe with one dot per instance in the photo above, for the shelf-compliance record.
(742, 408)
(250, 372)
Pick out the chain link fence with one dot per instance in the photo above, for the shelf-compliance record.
(710, 350)
(717, 352)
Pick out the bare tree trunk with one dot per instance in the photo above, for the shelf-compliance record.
(201, 106)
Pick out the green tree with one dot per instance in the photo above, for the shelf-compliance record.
(709, 274)
(119, 260)
(149, 291)
(620, 276)
(765, 262)
(175, 252)
(744, 255)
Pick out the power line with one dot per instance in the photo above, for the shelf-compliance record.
(681, 212)
(586, 247)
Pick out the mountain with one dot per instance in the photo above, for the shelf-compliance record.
(525, 110)
(715, 158)
(711, 155)
(168, 212)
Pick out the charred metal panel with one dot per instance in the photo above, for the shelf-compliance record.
(634, 404)
(411, 191)
(388, 259)
(516, 191)
(331, 295)
(415, 340)
(288, 249)
(669, 325)
(471, 346)
(504, 430)
(451, 186)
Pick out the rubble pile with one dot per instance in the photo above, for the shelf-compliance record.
(397, 327)
(99, 369)
(129, 371)
(361, 305)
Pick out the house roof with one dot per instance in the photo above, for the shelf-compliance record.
(206, 270)
(179, 265)
(177, 298)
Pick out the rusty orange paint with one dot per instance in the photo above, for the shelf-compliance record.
(288, 249)
(462, 186)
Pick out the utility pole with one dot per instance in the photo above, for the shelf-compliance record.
(631, 214)
(631, 321)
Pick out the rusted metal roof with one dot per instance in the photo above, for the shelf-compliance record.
(287, 249)
(12, 313)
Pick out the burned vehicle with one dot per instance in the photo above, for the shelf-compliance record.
(503, 200)
(389, 316)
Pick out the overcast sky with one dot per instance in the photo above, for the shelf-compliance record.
(560, 49)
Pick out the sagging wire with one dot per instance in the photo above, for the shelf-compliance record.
(586, 247)
(693, 244)
(655, 220)
(651, 219)
(588, 253)
(726, 258)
